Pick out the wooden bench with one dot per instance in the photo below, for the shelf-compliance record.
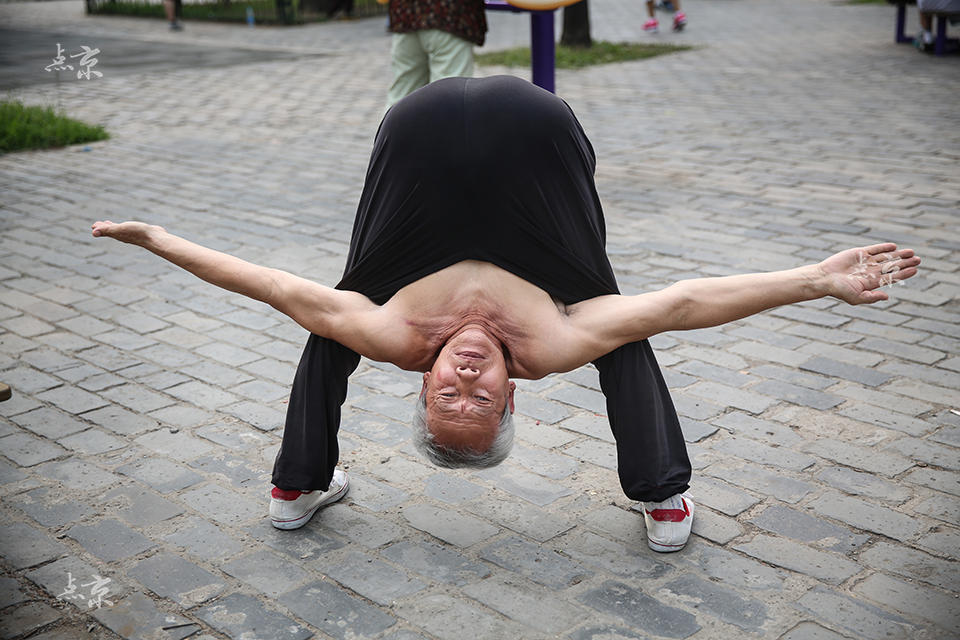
(942, 43)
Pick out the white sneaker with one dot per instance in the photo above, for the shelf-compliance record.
(668, 522)
(291, 509)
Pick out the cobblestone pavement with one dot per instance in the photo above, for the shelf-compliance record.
(147, 405)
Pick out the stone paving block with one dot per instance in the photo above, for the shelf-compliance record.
(258, 415)
(544, 463)
(885, 418)
(215, 374)
(846, 371)
(267, 572)
(72, 400)
(375, 495)
(55, 578)
(912, 564)
(203, 395)
(307, 545)
(238, 615)
(175, 444)
(109, 358)
(446, 618)
(376, 428)
(940, 507)
(100, 382)
(374, 379)
(768, 353)
(10, 593)
(225, 506)
(797, 394)
(758, 429)
(26, 450)
(912, 600)
(544, 411)
(137, 617)
(864, 515)
(858, 457)
(49, 422)
(338, 614)
(901, 350)
(451, 489)
(355, 526)
(170, 576)
(620, 524)
(720, 601)
(695, 408)
(639, 610)
(763, 454)
(25, 546)
(233, 436)
(161, 474)
(537, 608)
(203, 539)
(832, 568)
(935, 479)
(884, 399)
(533, 522)
(26, 618)
(600, 553)
(857, 618)
(756, 478)
(401, 471)
(450, 526)
(731, 396)
(398, 409)
(77, 474)
(530, 487)
(48, 508)
(92, 441)
(708, 371)
(943, 541)
(805, 527)
(605, 632)
(865, 484)
(932, 393)
(120, 420)
(18, 404)
(239, 471)
(579, 397)
(436, 562)
(373, 579)
(29, 380)
(139, 507)
(948, 435)
(589, 425)
(732, 569)
(541, 565)
(721, 496)
(261, 391)
(925, 451)
(695, 431)
(110, 540)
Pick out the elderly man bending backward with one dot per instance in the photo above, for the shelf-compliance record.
(478, 256)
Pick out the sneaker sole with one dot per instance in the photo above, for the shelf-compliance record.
(296, 523)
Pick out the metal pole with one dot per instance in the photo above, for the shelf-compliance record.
(542, 49)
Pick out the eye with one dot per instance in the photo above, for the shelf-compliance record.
(448, 394)
(482, 399)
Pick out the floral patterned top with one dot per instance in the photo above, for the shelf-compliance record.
(463, 18)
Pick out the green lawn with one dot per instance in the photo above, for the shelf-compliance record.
(23, 127)
(577, 57)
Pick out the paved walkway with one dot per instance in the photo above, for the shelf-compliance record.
(147, 405)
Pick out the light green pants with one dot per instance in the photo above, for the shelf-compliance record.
(420, 57)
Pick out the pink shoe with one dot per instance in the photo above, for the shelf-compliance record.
(668, 523)
(679, 21)
(651, 25)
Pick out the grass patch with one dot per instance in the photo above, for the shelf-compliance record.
(579, 57)
(23, 127)
(264, 11)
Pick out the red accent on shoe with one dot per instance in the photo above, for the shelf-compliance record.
(285, 494)
(670, 515)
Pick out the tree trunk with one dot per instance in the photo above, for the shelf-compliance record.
(576, 25)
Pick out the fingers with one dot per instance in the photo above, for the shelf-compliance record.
(886, 247)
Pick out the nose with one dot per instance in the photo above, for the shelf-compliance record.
(467, 372)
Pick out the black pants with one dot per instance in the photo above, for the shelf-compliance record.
(497, 170)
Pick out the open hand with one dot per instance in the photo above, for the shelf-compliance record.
(855, 275)
(131, 232)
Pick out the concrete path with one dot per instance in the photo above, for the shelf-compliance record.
(148, 406)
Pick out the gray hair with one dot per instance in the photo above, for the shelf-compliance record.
(423, 440)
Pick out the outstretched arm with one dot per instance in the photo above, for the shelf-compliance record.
(602, 324)
(319, 309)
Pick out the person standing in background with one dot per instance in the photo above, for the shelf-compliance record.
(432, 39)
(679, 17)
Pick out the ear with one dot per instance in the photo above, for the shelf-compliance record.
(512, 386)
(426, 377)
